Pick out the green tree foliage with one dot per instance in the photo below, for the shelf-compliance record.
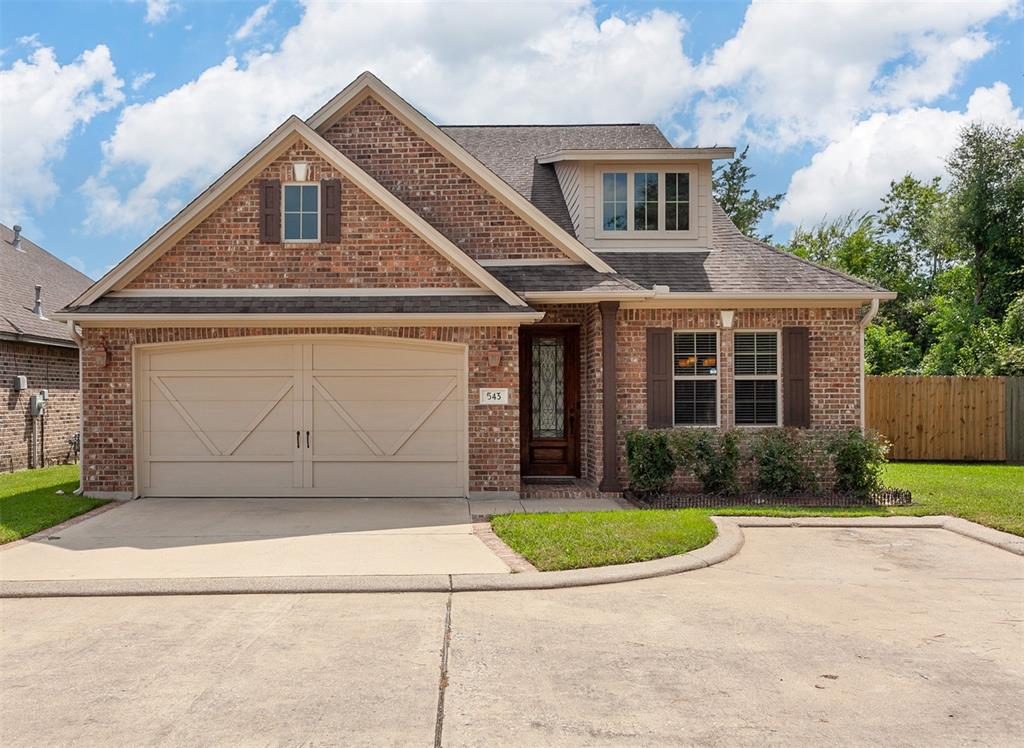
(744, 205)
(954, 255)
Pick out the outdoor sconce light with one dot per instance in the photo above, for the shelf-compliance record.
(300, 171)
(493, 358)
(727, 318)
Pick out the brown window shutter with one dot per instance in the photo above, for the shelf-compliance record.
(330, 211)
(270, 211)
(796, 377)
(659, 377)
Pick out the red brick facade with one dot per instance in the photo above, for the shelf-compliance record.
(107, 382)
(25, 444)
(425, 180)
(376, 250)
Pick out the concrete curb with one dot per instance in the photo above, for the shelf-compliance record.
(726, 544)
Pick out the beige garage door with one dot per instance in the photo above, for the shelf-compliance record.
(345, 417)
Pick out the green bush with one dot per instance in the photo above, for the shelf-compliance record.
(712, 457)
(782, 463)
(650, 461)
(858, 460)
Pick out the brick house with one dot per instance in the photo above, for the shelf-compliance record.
(368, 304)
(37, 354)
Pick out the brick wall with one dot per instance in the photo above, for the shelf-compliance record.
(425, 180)
(376, 249)
(47, 367)
(834, 338)
(493, 430)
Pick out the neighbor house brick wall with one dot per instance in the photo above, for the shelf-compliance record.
(834, 338)
(376, 250)
(54, 368)
(107, 379)
(425, 180)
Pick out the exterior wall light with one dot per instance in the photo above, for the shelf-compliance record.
(727, 318)
(300, 170)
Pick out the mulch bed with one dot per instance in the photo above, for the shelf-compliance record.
(884, 497)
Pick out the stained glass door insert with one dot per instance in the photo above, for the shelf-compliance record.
(549, 388)
(550, 374)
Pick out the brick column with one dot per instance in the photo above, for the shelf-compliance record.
(609, 400)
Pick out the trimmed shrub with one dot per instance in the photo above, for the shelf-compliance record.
(782, 463)
(650, 462)
(858, 460)
(712, 457)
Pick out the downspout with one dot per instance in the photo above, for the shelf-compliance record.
(864, 322)
(76, 336)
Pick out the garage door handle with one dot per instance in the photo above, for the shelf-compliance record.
(307, 440)
(297, 444)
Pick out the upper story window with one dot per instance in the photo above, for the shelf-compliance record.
(656, 201)
(302, 212)
(616, 203)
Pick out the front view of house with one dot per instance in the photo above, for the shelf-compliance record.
(368, 304)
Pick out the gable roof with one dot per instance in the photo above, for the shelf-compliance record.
(368, 84)
(288, 133)
(20, 273)
(511, 152)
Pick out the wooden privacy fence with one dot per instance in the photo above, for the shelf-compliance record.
(948, 418)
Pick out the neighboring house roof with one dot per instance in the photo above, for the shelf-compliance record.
(20, 272)
(511, 152)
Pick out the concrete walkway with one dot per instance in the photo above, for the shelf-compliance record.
(809, 636)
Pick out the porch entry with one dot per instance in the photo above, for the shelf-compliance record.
(549, 369)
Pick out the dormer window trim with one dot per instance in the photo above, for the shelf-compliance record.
(631, 200)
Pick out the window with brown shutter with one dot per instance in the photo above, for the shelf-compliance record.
(270, 211)
(659, 377)
(330, 211)
(796, 377)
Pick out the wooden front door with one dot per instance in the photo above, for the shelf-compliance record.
(549, 366)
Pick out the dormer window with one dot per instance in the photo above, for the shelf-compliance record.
(645, 200)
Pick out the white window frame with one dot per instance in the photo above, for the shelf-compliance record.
(777, 376)
(630, 172)
(319, 207)
(698, 378)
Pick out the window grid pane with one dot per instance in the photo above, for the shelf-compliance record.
(615, 201)
(677, 201)
(645, 201)
(695, 402)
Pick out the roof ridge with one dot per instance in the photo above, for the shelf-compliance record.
(578, 124)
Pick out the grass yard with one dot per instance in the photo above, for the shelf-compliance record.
(581, 539)
(29, 501)
(991, 495)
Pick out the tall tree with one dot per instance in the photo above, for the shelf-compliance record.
(986, 215)
(910, 217)
(744, 205)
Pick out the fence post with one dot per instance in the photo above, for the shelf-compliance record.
(1015, 419)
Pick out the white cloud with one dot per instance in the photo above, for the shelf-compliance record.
(854, 172)
(139, 81)
(253, 22)
(514, 63)
(806, 71)
(44, 102)
(158, 10)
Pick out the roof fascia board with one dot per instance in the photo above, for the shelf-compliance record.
(352, 94)
(17, 337)
(573, 297)
(637, 154)
(866, 295)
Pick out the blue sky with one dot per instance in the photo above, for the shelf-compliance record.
(113, 114)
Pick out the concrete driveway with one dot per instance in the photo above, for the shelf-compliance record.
(806, 637)
(182, 538)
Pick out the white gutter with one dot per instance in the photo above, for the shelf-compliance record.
(864, 322)
(77, 337)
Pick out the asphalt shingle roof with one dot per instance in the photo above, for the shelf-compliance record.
(298, 305)
(20, 272)
(511, 152)
(560, 278)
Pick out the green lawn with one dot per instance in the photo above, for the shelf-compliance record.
(580, 539)
(29, 501)
(991, 495)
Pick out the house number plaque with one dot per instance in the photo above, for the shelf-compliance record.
(495, 396)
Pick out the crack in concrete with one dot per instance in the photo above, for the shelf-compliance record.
(443, 680)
